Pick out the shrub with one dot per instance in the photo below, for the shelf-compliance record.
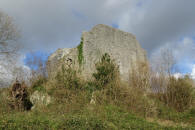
(179, 93)
(107, 71)
(68, 78)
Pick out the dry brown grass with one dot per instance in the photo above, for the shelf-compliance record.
(140, 77)
(168, 122)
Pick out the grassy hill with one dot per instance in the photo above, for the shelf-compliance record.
(103, 103)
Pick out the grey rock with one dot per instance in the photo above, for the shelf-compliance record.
(40, 99)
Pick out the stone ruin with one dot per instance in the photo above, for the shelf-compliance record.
(121, 46)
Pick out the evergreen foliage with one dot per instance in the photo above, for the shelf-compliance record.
(107, 71)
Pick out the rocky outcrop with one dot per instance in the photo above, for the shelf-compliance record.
(40, 99)
(121, 46)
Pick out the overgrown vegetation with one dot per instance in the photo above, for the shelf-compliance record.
(80, 52)
(179, 93)
(106, 102)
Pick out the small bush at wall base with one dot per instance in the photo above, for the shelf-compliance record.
(107, 71)
(67, 78)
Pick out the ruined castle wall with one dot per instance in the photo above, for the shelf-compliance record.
(121, 46)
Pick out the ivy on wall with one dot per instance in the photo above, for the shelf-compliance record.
(80, 52)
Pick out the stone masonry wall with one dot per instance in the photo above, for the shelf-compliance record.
(121, 46)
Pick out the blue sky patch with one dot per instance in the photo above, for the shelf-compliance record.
(33, 59)
(184, 67)
(114, 25)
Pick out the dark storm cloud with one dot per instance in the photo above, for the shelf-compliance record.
(48, 24)
(159, 21)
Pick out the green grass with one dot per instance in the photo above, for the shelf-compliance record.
(39, 89)
(73, 111)
(105, 118)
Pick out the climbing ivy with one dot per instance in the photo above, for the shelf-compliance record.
(80, 52)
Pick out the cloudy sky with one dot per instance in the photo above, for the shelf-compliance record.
(46, 25)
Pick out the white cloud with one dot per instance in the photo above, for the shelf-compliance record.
(50, 24)
(10, 70)
(183, 52)
(193, 72)
(178, 75)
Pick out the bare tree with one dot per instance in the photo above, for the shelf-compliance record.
(22, 74)
(8, 45)
(37, 65)
(8, 34)
(167, 61)
(162, 69)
